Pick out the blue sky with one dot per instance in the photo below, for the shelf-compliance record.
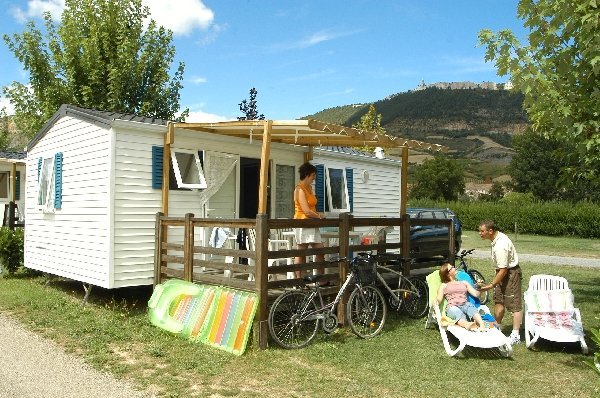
(304, 56)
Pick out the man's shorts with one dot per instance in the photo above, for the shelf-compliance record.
(508, 292)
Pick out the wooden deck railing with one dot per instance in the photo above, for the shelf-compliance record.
(181, 254)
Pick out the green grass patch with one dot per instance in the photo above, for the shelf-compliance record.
(532, 244)
(112, 333)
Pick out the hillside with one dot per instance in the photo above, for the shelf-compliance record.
(474, 123)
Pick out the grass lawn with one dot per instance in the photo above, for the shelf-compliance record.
(112, 333)
(536, 244)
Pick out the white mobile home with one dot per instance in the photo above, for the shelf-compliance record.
(94, 186)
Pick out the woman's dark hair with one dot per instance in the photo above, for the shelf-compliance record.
(306, 169)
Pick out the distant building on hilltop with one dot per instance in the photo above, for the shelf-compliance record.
(464, 85)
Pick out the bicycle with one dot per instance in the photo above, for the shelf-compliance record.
(295, 316)
(473, 273)
(412, 293)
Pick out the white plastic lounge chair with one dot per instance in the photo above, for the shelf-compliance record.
(493, 338)
(550, 314)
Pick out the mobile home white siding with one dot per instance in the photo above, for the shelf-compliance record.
(74, 241)
(376, 196)
(103, 233)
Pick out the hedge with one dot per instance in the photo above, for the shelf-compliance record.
(539, 218)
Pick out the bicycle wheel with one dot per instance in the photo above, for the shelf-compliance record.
(416, 305)
(366, 311)
(479, 280)
(288, 325)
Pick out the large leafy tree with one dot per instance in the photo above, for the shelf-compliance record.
(537, 167)
(102, 55)
(438, 178)
(558, 71)
(534, 167)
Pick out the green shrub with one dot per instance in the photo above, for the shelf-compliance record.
(595, 363)
(11, 249)
(528, 217)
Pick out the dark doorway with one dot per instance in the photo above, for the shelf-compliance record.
(249, 184)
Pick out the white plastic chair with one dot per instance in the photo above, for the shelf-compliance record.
(493, 338)
(550, 313)
(275, 243)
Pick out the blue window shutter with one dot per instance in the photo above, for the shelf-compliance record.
(39, 167)
(320, 188)
(350, 182)
(18, 185)
(157, 166)
(58, 162)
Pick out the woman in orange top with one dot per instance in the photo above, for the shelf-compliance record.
(305, 205)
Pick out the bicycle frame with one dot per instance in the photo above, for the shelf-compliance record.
(320, 313)
(393, 292)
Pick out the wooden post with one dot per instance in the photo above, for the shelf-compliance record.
(158, 237)
(404, 181)
(405, 240)
(308, 156)
(13, 183)
(169, 139)
(452, 239)
(343, 239)
(264, 167)
(261, 328)
(188, 248)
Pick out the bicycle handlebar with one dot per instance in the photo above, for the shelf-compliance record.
(465, 253)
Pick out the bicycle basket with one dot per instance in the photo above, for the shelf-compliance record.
(364, 269)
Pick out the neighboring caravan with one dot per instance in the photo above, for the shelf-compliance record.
(12, 163)
(94, 184)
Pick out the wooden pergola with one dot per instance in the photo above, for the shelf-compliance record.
(308, 133)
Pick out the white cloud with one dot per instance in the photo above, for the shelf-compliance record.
(197, 115)
(9, 108)
(36, 8)
(198, 79)
(181, 16)
(314, 39)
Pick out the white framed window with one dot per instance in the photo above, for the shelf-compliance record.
(337, 190)
(4, 184)
(46, 184)
(188, 169)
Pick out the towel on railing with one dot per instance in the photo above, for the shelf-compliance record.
(218, 237)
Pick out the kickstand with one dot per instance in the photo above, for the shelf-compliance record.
(88, 289)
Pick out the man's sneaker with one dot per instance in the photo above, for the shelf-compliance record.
(514, 339)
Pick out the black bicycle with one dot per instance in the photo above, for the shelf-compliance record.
(295, 316)
(473, 273)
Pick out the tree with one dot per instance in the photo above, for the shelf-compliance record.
(102, 56)
(558, 71)
(248, 108)
(438, 178)
(538, 166)
(535, 166)
(4, 130)
(370, 121)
